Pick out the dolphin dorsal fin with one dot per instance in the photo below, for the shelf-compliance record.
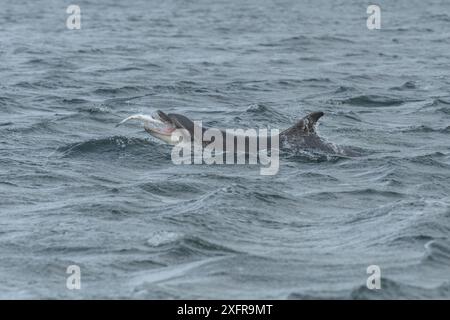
(304, 126)
(308, 123)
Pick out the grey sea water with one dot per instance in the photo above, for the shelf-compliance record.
(75, 190)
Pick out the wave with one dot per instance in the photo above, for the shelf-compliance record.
(430, 230)
(441, 101)
(282, 83)
(172, 189)
(430, 159)
(440, 17)
(174, 244)
(36, 85)
(119, 90)
(350, 115)
(71, 101)
(136, 264)
(391, 289)
(144, 283)
(97, 109)
(409, 85)
(354, 194)
(437, 252)
(344, 89)
(302, 40)
(240, 85)
(8, 104)
(373, 101)
(46, 126)
(445, 110)
(304, 155)
(295, 40)
(426, 129)
(163, 238)
(306, 80)
(317, 176)
(437, 105)
(330, 39)
(263, 112)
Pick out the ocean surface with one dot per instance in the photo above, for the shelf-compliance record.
(76, 190)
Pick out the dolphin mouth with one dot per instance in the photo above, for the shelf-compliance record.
(166, 131)
(163, 126)
(161, 130)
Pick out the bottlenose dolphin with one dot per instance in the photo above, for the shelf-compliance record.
(302, 135)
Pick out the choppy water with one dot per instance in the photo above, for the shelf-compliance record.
(76, 190)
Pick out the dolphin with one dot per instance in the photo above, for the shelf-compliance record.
(300, 136)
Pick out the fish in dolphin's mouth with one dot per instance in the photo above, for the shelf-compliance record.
(161, 125)
(163, 129)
